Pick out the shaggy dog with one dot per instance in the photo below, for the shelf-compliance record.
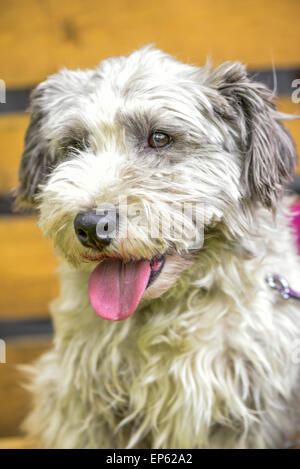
(172, 339)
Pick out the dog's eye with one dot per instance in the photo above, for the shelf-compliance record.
(159, 140)
(75, 145)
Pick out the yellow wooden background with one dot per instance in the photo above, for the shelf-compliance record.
(37, 37)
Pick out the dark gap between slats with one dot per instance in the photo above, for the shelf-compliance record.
(27, 327)
(17, 100)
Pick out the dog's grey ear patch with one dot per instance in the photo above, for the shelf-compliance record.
(35, 159)
(270, 154)
(270, 159)
(228, 73)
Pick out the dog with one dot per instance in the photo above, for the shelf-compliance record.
(171, 340)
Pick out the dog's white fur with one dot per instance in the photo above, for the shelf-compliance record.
(209, 359)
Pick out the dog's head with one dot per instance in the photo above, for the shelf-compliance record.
(130, 163)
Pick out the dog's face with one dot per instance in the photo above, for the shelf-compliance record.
(130, 163)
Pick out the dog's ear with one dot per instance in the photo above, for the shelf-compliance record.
(35, 157)
(269, 151)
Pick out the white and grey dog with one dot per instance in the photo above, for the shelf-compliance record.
(206, 353)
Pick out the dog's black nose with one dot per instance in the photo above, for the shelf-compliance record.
(96, 230)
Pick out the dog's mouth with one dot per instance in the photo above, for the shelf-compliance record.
(116, 287)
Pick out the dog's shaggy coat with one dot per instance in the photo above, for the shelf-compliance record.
(209, 359)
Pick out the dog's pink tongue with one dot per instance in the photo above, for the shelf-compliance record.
(115, 288)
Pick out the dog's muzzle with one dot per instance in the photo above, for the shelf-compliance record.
(116, 286)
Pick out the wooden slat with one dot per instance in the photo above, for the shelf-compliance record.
(13, 127)
(14, 399)
(17, 443)
(27, 269)
(12, 131)
(38, 37)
